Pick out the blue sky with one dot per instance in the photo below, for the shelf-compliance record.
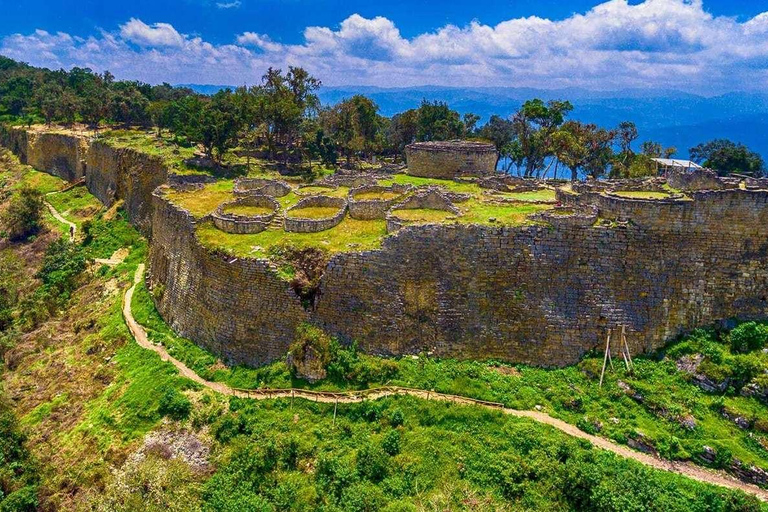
(706, 46)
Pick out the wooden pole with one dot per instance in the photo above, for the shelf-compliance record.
(335, 405)
(626, 347)
(605, 358)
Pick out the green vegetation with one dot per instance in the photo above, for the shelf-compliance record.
(421, 215)
(312, 212)
(642, 194)
(76, 204)
(247, 211)
(383, 195)
(202, 202)
(97, 394)
(350, 235)
(23, 217)
(656, 404)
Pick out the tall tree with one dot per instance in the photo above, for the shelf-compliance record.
(728, 157)
(533, 126)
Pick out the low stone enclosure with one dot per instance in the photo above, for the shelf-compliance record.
(451, 159)
(259, 186)
(365, 205)
(240, 224)
(431, 198)
(296, 223)
(541, 293)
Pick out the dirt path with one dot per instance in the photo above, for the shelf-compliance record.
(683, 468)
(60, 218)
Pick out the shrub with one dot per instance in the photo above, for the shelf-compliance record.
(23, 217)
(397, 418)
(62, 264)
(372, 462)
(391, 442)
(174, 405)
(363, 497)
(310, 352)
(748, 336)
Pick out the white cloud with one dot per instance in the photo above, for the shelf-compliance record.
(229, 5)
(159, 34)
(652, 44)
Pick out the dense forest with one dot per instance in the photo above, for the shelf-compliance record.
(283, 117)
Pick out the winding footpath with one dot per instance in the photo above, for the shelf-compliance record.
(682, 468)
(59, 217)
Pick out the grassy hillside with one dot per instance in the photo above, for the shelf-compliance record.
(91, 421)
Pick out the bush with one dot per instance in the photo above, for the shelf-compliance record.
(372, 462)
(397, 418)
(748, 336)
(391, 442)
(363, 497)
(174, 405)
(62, 264)
(23, 218)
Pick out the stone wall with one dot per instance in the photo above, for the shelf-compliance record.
(238, 308)
(542, 294)
(245, 224)
(110, 173)
(295, 223)
(448, 160)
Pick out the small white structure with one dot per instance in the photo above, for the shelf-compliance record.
(665, 164)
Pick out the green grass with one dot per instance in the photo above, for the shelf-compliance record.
(372, 195)
(202, 202)
(546, 194)
(43, 182)
(641, 194)
(350, 235)
(423, 215)
(76, 204)
(453, 186)
(475, 212)
(248, 211)
(312, 212)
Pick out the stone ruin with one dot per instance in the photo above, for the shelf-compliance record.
(260, 186)
(451, 159)
(245, 224)
(306, 225)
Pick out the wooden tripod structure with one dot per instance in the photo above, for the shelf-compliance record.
(623, 348)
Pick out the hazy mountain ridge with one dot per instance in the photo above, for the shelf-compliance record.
(672, 117)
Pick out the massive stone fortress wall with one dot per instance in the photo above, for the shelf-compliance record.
(539, 294)
(450, 159)
(110, 173)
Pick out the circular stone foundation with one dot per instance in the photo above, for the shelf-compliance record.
(450, 159)
(260, 186)
(295, 222)
(227, 219)
(372, 202)
(314, 190)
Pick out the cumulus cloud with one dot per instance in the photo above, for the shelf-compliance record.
(652, 44)
(159, 34)
(229, 5)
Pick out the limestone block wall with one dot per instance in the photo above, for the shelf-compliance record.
(236, 307)
(539, 294)
(110, 173)
(450, 159)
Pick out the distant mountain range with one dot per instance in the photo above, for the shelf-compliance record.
(671, 117)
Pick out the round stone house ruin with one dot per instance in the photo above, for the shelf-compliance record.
(297, 224)
(365, 205)
(240, 224)
(450, 159)
(259, 186)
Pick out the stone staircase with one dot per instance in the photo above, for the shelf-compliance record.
(277, 221)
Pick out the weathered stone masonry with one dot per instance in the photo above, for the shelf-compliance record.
(535, 294)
